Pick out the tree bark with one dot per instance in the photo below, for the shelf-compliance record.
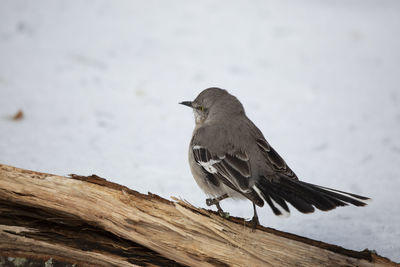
(88, 221)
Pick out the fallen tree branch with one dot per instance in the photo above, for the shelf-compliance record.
(89, 221)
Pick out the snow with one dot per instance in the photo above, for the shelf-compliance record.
(99, 84)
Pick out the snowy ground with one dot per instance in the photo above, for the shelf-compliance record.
(99, 83)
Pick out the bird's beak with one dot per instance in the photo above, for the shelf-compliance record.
(187, 103)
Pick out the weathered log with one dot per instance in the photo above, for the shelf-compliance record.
(89, 221)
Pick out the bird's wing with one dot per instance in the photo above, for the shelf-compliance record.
(273, 159)
(232, 168)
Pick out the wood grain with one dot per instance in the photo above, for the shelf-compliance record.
(89, 221)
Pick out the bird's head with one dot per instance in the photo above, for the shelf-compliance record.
(214, 103)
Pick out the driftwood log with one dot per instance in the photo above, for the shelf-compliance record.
(88, 221)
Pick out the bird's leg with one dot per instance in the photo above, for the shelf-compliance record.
(255, 220)
(215, 201)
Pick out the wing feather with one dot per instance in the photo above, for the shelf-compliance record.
(235, 167)
(274, 160)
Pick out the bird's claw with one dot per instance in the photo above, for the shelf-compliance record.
(210, 201)
(255, 222)
(215, 201)
(224, 214)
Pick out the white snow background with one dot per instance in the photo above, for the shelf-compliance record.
(99, 83)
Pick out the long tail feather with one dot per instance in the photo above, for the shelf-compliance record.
(303, 196)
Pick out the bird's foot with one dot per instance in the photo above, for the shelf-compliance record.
(215, 201)
(222, 213)
(211, 201)
(255, 222)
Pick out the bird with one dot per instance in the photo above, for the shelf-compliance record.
(229, 157)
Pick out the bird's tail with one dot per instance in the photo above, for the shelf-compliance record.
(303, 196)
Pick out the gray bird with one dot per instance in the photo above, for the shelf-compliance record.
(229, 157)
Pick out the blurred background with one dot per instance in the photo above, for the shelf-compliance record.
(98, 84)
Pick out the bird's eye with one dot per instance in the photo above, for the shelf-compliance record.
(201, 108)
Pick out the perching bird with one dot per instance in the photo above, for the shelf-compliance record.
(229, 157)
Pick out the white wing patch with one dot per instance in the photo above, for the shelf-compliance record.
(208, 166)
(233, 168)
